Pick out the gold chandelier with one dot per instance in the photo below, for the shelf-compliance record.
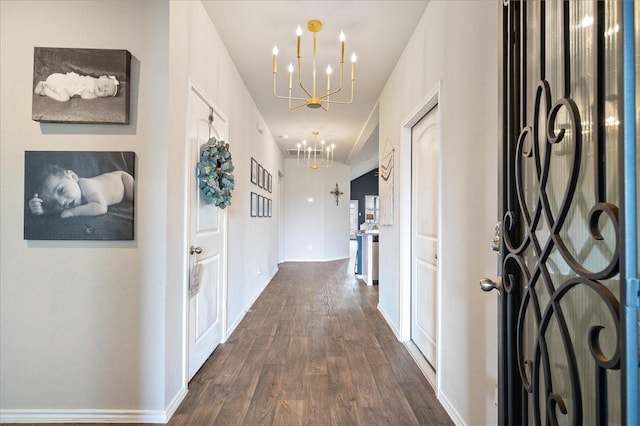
(316, 156)
(313, 99)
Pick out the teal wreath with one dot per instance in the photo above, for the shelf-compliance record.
(215, 173)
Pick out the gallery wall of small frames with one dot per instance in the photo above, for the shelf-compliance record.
(261, 206)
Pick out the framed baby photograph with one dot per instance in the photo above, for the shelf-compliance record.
(81, 85)
(79, 195)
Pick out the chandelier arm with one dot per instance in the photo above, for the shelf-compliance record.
(326, 96)
(284, 97)
(313, 83)
(341, 77)
(345, 101)
(297, 106)
(329, 94)
(300, 79)
(289, 98)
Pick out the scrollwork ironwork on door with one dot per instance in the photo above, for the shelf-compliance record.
(542, 268)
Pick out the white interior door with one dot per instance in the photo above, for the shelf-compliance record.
(425, 137)
(207, 241)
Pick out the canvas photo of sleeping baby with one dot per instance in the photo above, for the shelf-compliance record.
(79, 195)
(81, 85)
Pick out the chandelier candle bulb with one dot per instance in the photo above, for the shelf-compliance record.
(353, 66)
(290, 69)
(342, 38)
(275, 54)
(298, 35)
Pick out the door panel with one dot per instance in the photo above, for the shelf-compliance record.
(425, 139)
(207, 309)
(207, 234)
(560, 301)
(424, 327)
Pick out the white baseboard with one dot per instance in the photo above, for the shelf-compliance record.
(389, 323)
(446, 404)
(430, 374)
(427, 370)
(236, 323)
(316, 260)
(83, 416)
(448, 407)
(175, 403)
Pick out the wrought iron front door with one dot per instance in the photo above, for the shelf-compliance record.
(560, 305)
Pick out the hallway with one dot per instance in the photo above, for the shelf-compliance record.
(312, 350)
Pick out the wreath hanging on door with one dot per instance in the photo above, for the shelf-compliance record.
(215, 173)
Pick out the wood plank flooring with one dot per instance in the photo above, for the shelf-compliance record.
(313, 350)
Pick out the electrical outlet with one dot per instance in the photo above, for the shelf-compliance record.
(309, 247)
(259, 272)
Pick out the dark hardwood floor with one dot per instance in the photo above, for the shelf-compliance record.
(313, 350)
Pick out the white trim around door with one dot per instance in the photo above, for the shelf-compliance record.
(432, 100)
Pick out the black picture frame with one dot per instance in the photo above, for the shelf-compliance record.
(45, 219)
(254, 204)
(269, 208)
(260, 176)
(57, 69)
(260, 206)
(269, 182)
(254, 171)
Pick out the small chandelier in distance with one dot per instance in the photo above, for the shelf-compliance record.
(313, 99)
(315, 157)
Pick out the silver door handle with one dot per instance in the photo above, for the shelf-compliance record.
(196, 250)
(487, 284)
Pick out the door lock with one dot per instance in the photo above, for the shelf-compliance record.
(195, 250)
(495, 241)
(487, 284)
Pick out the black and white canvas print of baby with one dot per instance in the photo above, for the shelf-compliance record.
(81, 85)
(79, 195)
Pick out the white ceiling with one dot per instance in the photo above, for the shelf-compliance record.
(377, 31)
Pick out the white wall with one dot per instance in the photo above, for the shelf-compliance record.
(316, 229)
(197, 53)
(82, 322)
(94, 330)
(455, 45)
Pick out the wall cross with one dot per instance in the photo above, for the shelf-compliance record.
(337, 193)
